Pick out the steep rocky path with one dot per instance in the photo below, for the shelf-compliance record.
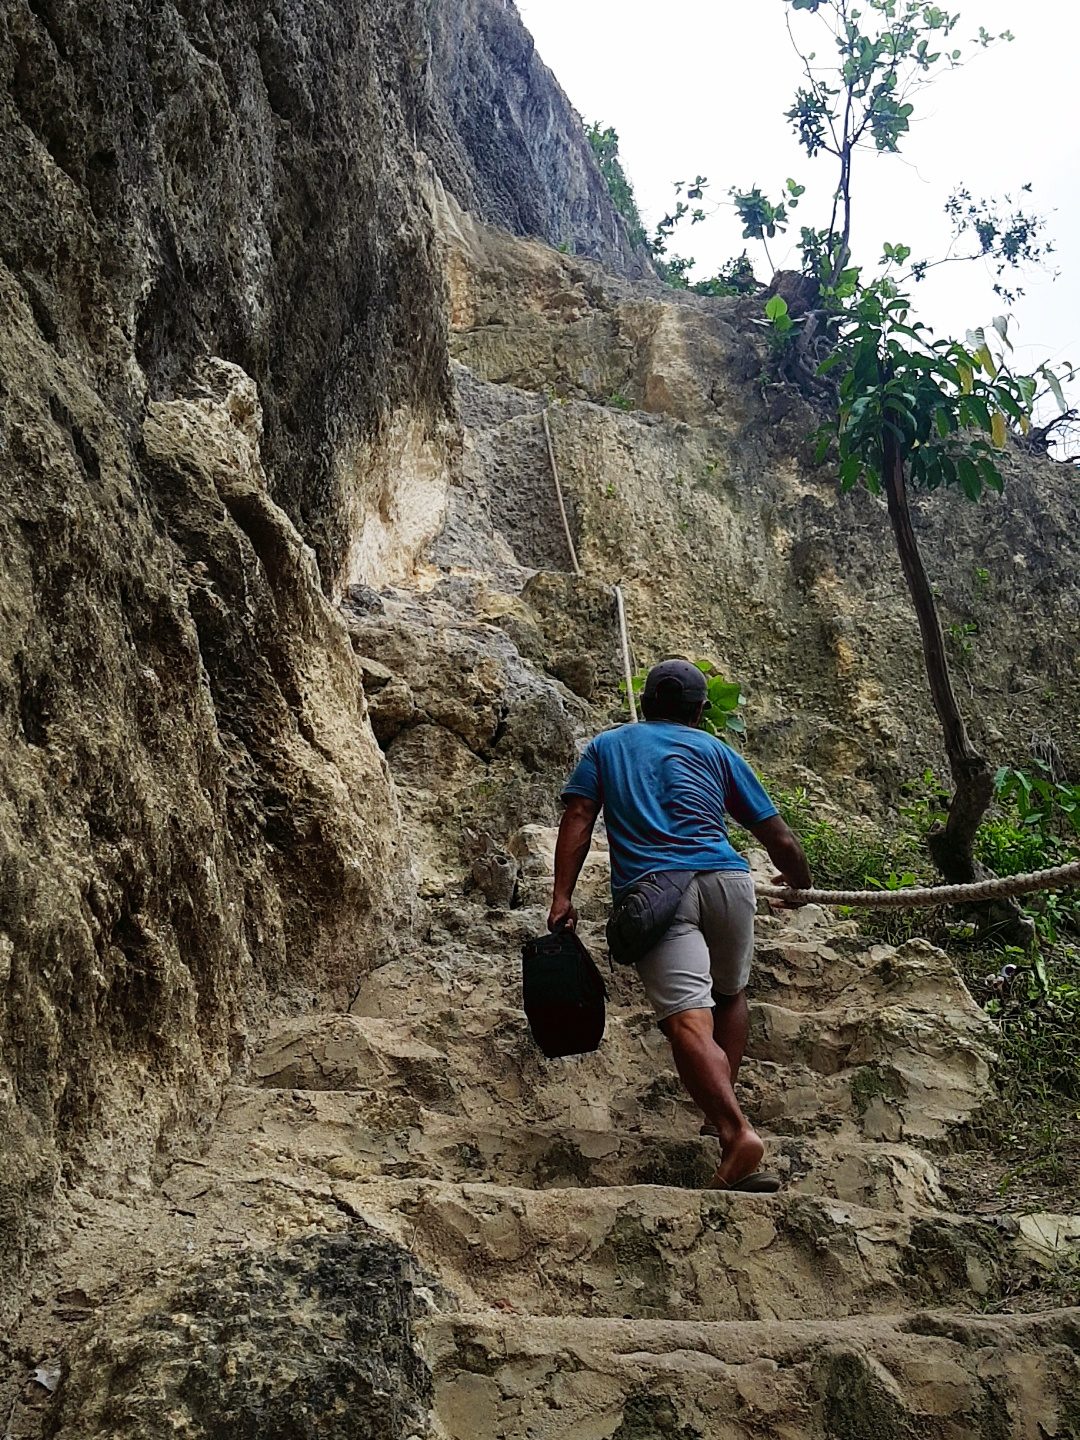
(577, 1279)
(407, 1177)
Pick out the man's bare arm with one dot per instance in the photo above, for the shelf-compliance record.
(571, 848)
(785, 852)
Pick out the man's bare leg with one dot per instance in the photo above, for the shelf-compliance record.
(704, 1070)
(731, 1026)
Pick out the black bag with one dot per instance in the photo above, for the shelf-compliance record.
(563, 994)
(641, 916)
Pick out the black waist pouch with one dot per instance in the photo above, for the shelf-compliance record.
(563, 994)
(642, 914)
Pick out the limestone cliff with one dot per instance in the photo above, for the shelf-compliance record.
(290, 659)
(506, 142)
(224, 396)
(223, 339)
(691, 480)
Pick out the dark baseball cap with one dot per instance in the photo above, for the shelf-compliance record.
(681, 673)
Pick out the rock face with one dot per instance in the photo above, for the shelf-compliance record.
(194, 815)
(327, 1327)
(506, 142)
(694, 487)
(571, 1272)
(224, 396)
(291, 665)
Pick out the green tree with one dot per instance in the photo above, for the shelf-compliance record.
(915, 413)
(907, 411)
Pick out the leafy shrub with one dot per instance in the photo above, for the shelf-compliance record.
(1034, 824)
(861, 856)
(605, 146)
(735, 277)
(723, 712)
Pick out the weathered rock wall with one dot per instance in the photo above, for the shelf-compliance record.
(506, 141)
(194, 816)
(691, 482)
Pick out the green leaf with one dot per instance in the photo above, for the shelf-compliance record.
(977, 411)
(776, 308)
(991, 474)
(970, 479)
(1055, 385)
(724, 694)
(1008, 404)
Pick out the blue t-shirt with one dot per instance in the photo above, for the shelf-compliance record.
(666, 790)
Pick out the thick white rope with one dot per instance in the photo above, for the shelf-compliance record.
(628, 674)
(1060, 877)
(620, 604)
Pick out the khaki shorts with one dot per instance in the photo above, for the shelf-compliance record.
(709, 946)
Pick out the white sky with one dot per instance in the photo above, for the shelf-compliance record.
(701, 86)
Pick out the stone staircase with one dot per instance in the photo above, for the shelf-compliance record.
(577, 1280)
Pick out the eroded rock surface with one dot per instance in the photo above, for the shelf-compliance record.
(291, 666)
(312, 1338)
(570, 1271)
(690, 481)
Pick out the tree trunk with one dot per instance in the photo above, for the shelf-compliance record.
(952, 846)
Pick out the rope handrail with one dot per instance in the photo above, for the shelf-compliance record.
(624, 640)
(1058, 877)
(620, 603)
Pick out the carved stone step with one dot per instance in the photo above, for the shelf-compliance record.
(651, 1251)
(865, 1378)
(886, 1073)
(360, 1136)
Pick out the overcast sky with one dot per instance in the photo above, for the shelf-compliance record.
(701, 86)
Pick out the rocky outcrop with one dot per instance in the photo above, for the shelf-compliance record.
(194, 817)
(569, 1269)
(327, 1349)
(506, 141)
(194, 813)
(690, 480)
(189, 786)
